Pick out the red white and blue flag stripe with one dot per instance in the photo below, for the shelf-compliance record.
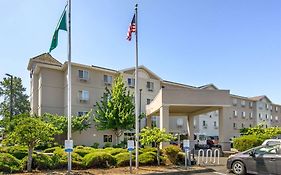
(131, 29)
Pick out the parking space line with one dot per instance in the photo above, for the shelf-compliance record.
(219, 173)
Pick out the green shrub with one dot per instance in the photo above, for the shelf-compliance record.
(82, 151)
(60, 159)
(98, 160)
(115, 151)
(95, 145)
(246, 142)
(180, 158)
(107, 145)
(148, 149)
(18, 152)
(123, 159)
(172, 153)
(51, 150)
(40, 161)
(148, 158)
(9, 163)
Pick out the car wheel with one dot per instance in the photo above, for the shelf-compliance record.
(238, 168)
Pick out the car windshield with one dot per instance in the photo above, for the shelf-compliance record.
(268, 149)
(272, 142)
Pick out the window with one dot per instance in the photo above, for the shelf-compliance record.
(83, 75)
(276, 108)
(107, 138)
(243, 103)
(242, 125)
(81, 113)
(251, 115)
(243, 114)
(204, 123)
(234, 101)
(148, 101)
(260, 115)
(250, 104)
(107, 79)
(215, 124)
(131, 82)
(150, 86)
(250, 125)
(83, 95)
(234, 125)
(153, 122)
(266, 116)
(271, 107)
(210, 116)
(266, 106)
(235, 113)
(276, 118)
(271, 117)
(260, 106)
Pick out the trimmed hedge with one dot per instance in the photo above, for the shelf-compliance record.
(60, 159)
(148, 158)
(40, 161)
(99, 160)
(246, 142)
(123, 159)
(172, 153)
(180, 158)
(51, 150)
(9, 164)
(18, 152)
(114, 151)
(82, 151)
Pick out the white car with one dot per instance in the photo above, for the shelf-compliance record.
(270, 142)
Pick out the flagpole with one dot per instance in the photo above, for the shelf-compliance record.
(69, 86)
(136, 91)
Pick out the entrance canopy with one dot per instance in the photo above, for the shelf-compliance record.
(188, 101)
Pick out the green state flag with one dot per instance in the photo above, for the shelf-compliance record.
(61, 26)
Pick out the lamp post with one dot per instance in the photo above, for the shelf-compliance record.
(140, 113)
(11, 95)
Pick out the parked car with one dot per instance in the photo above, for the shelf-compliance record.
(265, 159)
(269, 142)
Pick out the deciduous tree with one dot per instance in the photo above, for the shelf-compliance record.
(116, 109)
(30, 132)
(155, 135)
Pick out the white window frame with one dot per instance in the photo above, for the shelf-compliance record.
(150, 86)
(243, 114)
(251, 115)
(243, 103)
(235, 114)
(276, 118)
(250, 104)
(131, 82)
(84, 95)
(85, 75)
(107, 79)
(260, 115)
(276, 108)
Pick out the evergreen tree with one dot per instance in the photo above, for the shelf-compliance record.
(20, 103)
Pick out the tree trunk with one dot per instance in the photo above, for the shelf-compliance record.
(158, 155)
(29, 160)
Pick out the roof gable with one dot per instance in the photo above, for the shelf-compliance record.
(145, 69)
(44, 58)
(208, 86)
(260, 98)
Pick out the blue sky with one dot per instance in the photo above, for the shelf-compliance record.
(235, 44)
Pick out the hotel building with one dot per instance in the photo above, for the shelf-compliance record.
(179, 108)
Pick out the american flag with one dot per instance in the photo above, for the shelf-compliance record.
(131, 29)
